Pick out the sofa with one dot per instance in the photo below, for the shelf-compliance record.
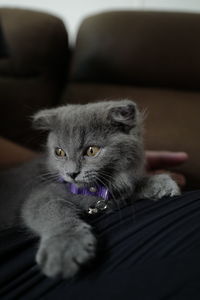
(32, 69)
(150, 57)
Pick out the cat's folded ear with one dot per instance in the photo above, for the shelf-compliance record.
(45, 119)
(124, 113)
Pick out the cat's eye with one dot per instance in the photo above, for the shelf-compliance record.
(92, 151)
(60, 152)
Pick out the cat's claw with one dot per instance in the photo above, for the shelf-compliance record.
(157, 186)
(64, 254)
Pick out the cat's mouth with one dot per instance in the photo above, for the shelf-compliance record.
(84, 181)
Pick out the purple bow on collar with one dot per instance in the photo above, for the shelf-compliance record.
(98, 191)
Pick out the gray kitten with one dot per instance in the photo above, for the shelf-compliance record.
(94, 162)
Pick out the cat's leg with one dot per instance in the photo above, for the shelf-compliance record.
(157, 186)
(66, 241)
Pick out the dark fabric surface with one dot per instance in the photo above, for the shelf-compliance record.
(149, 250)
(141, 48)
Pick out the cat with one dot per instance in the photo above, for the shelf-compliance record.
(94, 162)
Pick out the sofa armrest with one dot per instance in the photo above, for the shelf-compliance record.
(33, 73)
(37, 42)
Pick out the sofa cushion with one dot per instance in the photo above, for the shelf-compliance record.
(159, 49)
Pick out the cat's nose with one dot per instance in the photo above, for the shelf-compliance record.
(73, 174)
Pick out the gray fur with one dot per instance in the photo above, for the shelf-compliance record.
(50, 211)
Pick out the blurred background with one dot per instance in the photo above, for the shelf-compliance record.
(73, 12)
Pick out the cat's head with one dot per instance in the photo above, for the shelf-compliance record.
(96, 143)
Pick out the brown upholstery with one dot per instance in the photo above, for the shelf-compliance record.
(152, 58)
(33, 72)
(139, 48)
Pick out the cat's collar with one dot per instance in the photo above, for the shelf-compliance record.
(98, 191)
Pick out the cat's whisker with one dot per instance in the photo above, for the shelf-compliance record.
(48, 177)
(113, 197)
(106, 174)
(47, 172)
(116, 188)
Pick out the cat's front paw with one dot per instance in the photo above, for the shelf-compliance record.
(64, 254)
(158, 186)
